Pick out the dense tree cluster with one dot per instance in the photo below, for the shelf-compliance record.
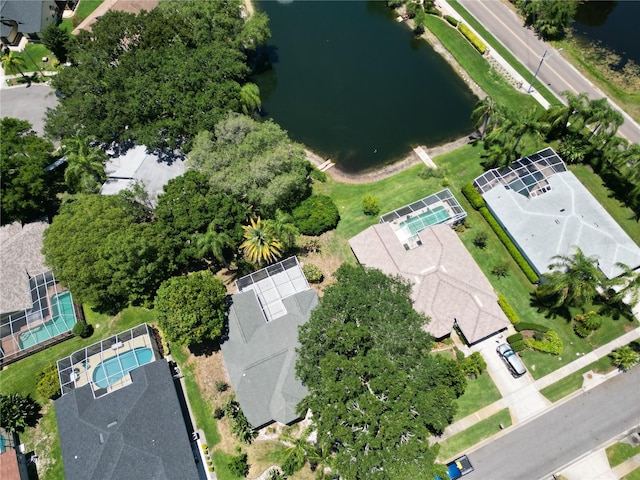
(254, 162)
(18, 412)
(191, 308)
(549, 18)
(158, 77)
(376, 392)
(27, 191)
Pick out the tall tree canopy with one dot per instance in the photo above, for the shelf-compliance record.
(158, 77)
(375, 390)
(99, 247)
(27, 191)
(549, 18)
(192, 308)
(255, 162)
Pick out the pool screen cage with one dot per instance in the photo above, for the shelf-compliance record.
(523, 176)
(51, 315)
(444, 197)
(78, 369)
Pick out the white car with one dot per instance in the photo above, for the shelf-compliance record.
(512, 360)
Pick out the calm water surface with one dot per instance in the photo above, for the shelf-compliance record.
(355, 86)
(613, 23)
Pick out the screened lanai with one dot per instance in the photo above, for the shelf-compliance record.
(408, 221)
(105, 365)
(50, 316)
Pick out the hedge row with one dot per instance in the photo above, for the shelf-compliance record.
(531, 326)
(475, 41)
(475, 199)
(508, 311)
(516, 337)
(551, 344)
(451, 20)
(513, 250)
(518, 346)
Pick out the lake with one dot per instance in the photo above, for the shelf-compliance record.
(354, 85)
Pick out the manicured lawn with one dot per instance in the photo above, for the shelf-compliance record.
(574, 381)
(484, 429)
(220, 461)
(33, 54)
(619, 452)
(479, 393)
(634, 475)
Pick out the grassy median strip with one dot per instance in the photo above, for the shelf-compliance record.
(459, 442)
(574, 381)
(620, 452)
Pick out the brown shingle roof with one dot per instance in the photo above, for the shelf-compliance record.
(448, 285)
(20, 258)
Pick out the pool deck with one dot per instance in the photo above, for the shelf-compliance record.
(84, 370)
(403, 233)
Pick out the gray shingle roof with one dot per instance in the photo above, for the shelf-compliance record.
(20, 258)
(260, 357)
(27, 13)
(447, 283)
(137, 432)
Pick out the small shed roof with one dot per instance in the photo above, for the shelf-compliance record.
(20, 258)
(448, 285)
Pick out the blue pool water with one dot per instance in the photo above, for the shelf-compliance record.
(3, 443)
(426, 219)
(113, 369)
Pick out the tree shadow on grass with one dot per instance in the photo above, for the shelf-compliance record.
(545, 305)
(205, 348)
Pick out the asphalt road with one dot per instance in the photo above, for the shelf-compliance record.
(544, 445)
(28, 103)
(555, 72)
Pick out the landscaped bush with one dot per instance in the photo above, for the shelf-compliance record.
(313, 273)
(518, 346)
(480, 240)
(587, 323)
(475, 41)
(240, 426)
(48, 382)
(238, 465)
(82, 329)
(317, 175)
(501, 269)
(551, 344)
(513, 250)
(370, 205)
(531, 326)
(471, 194)
(427, 172)
(516, 337)
(473, 365)
(508, 310)
(221, 386)
(451, 20)
(316, 215)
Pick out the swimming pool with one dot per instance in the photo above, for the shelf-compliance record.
(3, 443)
(111, 370)
(427, 218)
(63, 319)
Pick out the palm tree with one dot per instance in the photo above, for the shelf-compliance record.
(482, 115)
(624, 358)
(85, 164)
(630, 282)
(574, 280)
(250, 98)
(284, 229)
(298, 452)
(526, 123)
(214, 243)
(12, 62)
(260, 242)
(603, 119)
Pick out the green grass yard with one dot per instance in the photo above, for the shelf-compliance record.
(619, 452)
(482, 430)
(479, 393)
(574, 381)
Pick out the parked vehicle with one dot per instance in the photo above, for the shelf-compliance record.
(511, 358)
(459, 467)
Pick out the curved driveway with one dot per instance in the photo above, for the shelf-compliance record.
(558, 74)
(549, 442)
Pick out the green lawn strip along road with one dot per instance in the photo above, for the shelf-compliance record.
(480, 392)
(574, 381)
(619, 452)
(502, 51)
(634, 475)
(459, 442)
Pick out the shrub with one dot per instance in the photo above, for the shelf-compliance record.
(451, 20)
(370, 206)
(581, 330)
(551, 344)
(459, 354)
(518, 346)
(316, 215)
(500, 269)
(516, 337)
(218, 413)
(239, 465)
(508, 310)
(474, 365)
(77, 20)
(427, 172)
(313, 273)
(221, 386)
(513, 250)
(480, 240)
(412, 9)
(82, 329)
(240, 426)
(531, 326)
(475, 41)
(48, 382)
(471, 194)
(317, 175)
